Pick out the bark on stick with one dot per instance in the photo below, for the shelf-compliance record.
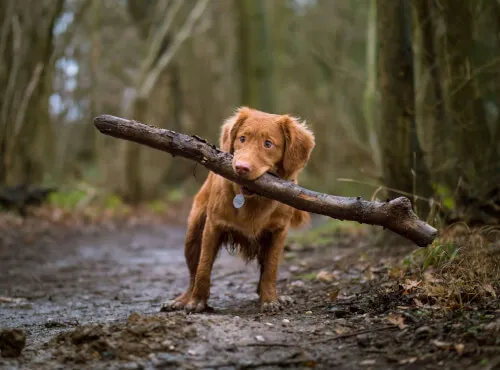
(396, 215)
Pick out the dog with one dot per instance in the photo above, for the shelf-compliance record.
(225, 213)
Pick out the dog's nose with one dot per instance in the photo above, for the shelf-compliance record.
(242, 168)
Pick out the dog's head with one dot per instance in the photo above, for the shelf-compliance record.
(262, 142)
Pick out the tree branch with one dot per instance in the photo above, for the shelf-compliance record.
(158, 38)
(396, 215)
(186, 30)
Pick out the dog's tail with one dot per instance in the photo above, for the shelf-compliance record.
(300, 218)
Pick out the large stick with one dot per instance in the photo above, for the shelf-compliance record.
(396, 215)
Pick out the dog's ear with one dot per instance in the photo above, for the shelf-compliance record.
(230, 128)
(299, 142)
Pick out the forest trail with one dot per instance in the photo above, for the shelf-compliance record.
(93, 300)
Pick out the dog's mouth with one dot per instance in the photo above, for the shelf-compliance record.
(246, 191)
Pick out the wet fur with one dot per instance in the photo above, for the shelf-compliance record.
(258, 229)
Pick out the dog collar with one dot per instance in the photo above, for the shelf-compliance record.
(239, 199)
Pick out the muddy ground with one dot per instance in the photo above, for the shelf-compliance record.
(91, 299)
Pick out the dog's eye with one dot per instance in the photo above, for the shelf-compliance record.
(242, 139)
(268, 144)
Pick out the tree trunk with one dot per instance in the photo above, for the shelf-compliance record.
(370, 92)
(26, 34)
(473, 174)
(143, 175)
(429, 105)
(465, 115)
(402, 164)
(256, 60)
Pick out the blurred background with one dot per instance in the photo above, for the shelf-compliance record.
(403, 96)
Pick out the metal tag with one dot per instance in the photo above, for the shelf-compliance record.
(238, 201)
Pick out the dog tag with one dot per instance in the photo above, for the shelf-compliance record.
(238, 201)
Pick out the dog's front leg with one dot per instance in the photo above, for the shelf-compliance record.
(270, 259)
(210, 245)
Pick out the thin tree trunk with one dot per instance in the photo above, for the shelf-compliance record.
(402, 166)
(26, 135)
(429, 105)
(465, 115)
(369, 98)
(256, 62)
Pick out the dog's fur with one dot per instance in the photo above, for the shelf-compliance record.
(259, 228)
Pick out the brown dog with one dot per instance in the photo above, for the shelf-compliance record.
(260, 142)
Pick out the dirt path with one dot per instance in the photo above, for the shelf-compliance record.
(92, 301)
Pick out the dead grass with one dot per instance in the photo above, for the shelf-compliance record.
(462, 267)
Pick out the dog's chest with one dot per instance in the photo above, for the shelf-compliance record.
(252, 219)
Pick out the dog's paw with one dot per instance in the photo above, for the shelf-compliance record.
(196, 306)
(174, 305)
(276, 305)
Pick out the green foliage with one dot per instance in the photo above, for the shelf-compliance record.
(67, 199)
(323, 234)
(113, 201)
(158, 206)
(176, 195)
(436, 255)
(446, 196)
(307, 276)
(75, 198)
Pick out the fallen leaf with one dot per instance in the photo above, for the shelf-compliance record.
(333, 294)
(325, 276)
(410, 285)
(339, 330)
(397, 320)
(489, 289)
(396, 273)
(297, 283)
(369, 275)
(430, 278)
